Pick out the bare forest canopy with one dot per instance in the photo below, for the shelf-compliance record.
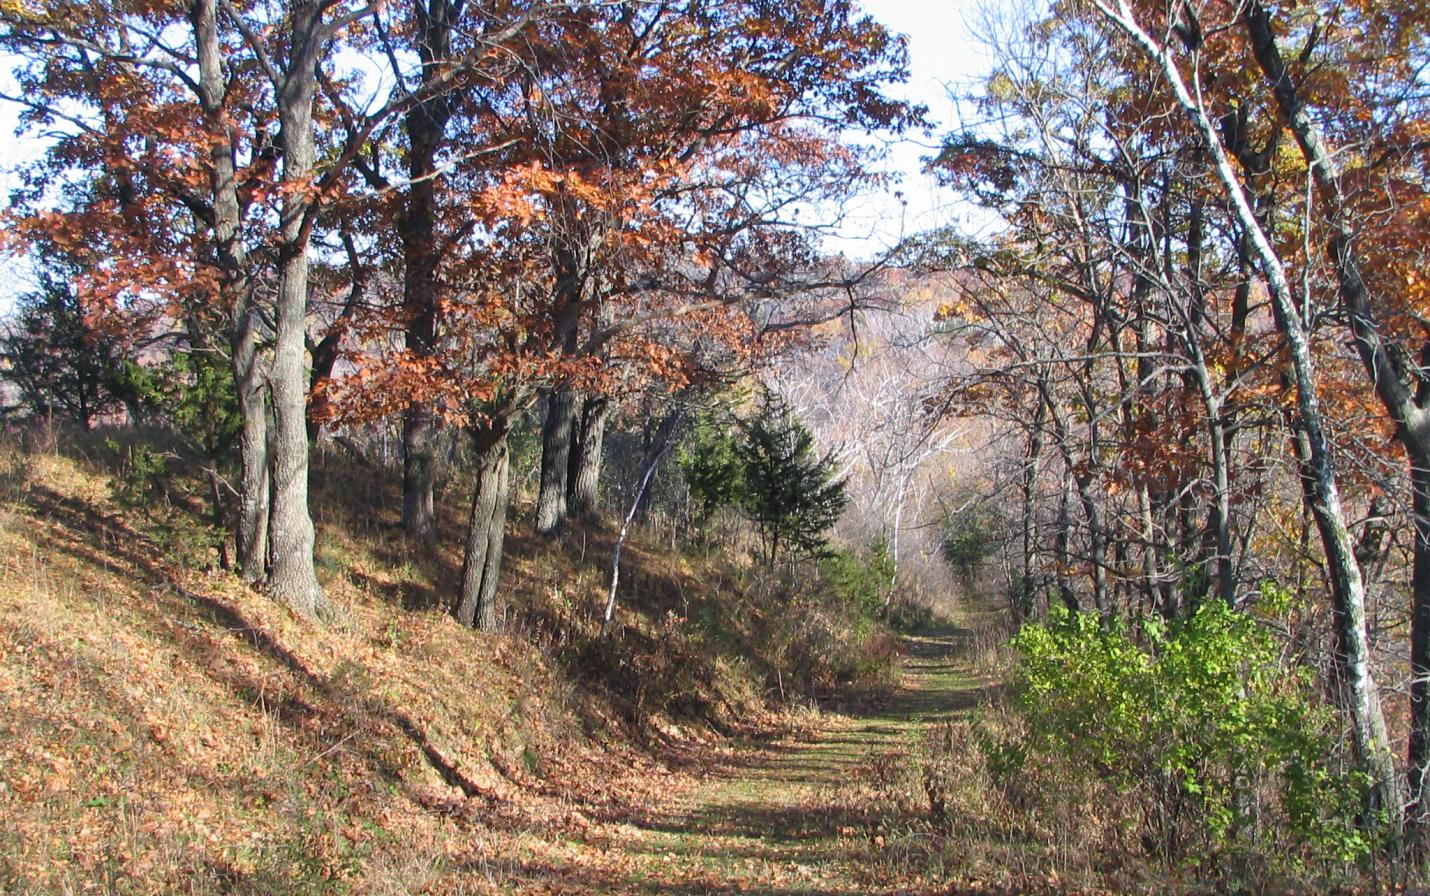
(1176, 394)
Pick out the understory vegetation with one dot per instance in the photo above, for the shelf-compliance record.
(166, 728)
(1183, 758)
(464, 447)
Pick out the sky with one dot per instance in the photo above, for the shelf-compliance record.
(944, 59)
(942, 56)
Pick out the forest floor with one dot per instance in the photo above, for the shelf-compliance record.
(774, 817)
(165, 729)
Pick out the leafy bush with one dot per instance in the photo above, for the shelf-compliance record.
(1202, 721)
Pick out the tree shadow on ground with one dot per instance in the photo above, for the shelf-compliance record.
(777, 806)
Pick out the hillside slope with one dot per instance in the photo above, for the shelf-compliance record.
(165, 729)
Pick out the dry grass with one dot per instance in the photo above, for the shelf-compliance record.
(165, 729)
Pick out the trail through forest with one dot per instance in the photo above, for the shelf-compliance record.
(772, 820)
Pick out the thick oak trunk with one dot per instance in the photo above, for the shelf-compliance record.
(556, 434)
(426, 125)
(254, 483)
(587, 452)
(293, 578)
(235, 292)
(419, 472)
(486, 533)
(559, 422)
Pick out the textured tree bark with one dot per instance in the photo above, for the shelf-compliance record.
(1219, 513)
(293, 578)
(419, 472)
(587, 453)
(558, 424)
(235, 292)
(482, 560)
(556, 435)
(254, 484)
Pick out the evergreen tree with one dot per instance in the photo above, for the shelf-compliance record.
(59, 364)
(712, 468)
(788, 492)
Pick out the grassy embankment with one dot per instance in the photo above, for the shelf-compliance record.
(165, 729)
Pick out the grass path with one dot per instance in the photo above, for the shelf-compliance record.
(770, 821)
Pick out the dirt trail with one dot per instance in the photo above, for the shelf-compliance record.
(771, 821)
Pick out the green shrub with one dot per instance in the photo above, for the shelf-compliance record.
(191, 394)
(830, 625)
(146, 481)
(143, 477)
(56, 360)
(859, 581)
(1203, 721)
(970, 538)
(765, 467)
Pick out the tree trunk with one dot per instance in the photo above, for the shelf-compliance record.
(254, 484)
(1060, 547)
(1219, 513)
(587, 450)
(1390, 377)
(419, 472)
(1154, 582)
(1097, 547)
(653, 459)
(556, 434)
(1419, 748)
(486, 533)
(1032, 467)
(293, 578)
(1347, 586)
(235, 292)
(426, 125)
